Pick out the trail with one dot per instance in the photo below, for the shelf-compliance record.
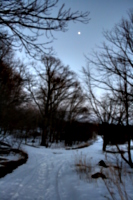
(50, 174)
(40, 178)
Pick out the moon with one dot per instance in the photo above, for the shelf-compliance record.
(79, 33)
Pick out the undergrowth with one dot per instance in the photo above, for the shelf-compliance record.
(117, 175)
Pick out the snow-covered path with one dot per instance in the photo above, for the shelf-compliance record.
(46, 175)
(50, 174)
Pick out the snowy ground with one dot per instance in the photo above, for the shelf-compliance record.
(50, 174)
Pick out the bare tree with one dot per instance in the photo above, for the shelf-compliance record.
(114, 76)
(12, 95)
(58, 92)
(23, 22)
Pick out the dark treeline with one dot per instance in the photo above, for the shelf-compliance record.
(114, 134)
(79, 131)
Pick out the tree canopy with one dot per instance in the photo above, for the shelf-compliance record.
(23, 22)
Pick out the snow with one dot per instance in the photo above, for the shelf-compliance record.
(11, 156)
(50, 174)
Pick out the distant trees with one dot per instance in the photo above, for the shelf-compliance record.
(111, 71)
(55, 91)
(12, 94)
(22, 23)
(58, 95)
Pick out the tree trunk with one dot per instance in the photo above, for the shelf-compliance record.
(43, 141)
(127, 121)
(129, 152)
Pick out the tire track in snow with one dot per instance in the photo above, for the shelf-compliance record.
(53, 169)
(38, 178)
(57, 178)
(27, 174)
(22, 179)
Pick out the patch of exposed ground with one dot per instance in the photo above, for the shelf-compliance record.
(7, 165)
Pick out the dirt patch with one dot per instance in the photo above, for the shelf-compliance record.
(98, 175)
(102, 163)
(7, 166)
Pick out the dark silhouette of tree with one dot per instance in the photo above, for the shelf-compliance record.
(12, 94)
(23, 22)
(74, 105)
(58, 93)
(114, 77)
(6, 52)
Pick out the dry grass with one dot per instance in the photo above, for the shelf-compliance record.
(113, 177)
(83, 168)
(117, 184)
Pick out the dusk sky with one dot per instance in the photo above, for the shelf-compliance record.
(71, 47)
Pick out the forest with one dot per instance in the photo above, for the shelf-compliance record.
(51, 102)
